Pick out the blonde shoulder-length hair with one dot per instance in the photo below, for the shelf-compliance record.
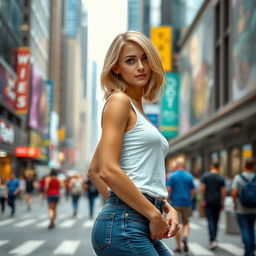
(110, 82)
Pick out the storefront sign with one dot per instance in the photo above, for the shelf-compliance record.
(22, 85)
(27, 152)
(6, 133)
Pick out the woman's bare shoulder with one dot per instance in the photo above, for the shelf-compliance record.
(119, 101)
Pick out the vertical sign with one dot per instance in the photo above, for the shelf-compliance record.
(22, 84)
(49, 93)
(169, 106)
(162, 39)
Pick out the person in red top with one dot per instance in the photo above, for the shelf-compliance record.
(52, 188)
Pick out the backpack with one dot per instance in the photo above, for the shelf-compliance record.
(248, 192)
(77, 187)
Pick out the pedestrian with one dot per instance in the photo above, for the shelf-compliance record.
(13, 188)
(128, 165)
(92, 194)
(29, 185)
(52, 188)
(77, 189)
(42, 188)
(2, 195)
(197, 184)
(213, 192)
(246, 215)
(22, 187)
(181, 191)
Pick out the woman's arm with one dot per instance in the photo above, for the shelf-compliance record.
(115, 120)
(47, 181)
(93, 175)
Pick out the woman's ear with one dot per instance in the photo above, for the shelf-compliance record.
(115, 69)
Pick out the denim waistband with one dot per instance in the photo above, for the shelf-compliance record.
(159, 204)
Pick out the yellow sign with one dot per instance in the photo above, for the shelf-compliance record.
(162, 39)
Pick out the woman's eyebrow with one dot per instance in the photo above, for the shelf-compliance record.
(130, 56)
(133, 56)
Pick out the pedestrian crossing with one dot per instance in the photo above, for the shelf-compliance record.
(70, 247)
(64, 221)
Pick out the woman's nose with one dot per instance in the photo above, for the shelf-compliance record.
(140, 65)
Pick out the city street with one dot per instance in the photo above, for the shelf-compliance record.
(27, 233)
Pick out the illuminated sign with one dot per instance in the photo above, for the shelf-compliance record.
(22, 85)
(27, 152)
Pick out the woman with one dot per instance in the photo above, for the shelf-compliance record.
(52, 189)
(129, 158)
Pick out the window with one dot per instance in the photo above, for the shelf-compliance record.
(222, 53)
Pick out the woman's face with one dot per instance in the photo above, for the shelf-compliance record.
(133, 66)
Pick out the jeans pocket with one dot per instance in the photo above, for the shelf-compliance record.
(102, 231)
(136, 224)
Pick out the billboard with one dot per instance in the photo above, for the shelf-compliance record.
(244, 48)
(197, 74)
(162, 39)
(38, 115)
(7, 84)
(170, 106)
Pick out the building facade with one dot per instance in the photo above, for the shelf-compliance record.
(218, 87)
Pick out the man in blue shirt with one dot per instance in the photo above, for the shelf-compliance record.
(13, 188)
(181, 190)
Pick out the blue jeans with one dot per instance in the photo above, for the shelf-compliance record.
(212, 214)
(91, 198)
(121, 231)
(246, 223)
(75, 199)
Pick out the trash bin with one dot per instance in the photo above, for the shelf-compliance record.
(232, 226)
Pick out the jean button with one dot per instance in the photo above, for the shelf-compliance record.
(126, 214)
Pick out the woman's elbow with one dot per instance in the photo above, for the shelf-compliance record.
(106, 172)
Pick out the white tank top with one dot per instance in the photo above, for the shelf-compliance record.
(142, 159)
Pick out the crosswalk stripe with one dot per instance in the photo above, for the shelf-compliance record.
(88, 224)
(67, 223)
(27, 248)
(42, 216)
(235, 250)
(194, 226)
(43, 224)
(62, 216)
(24, 223)
(6, 222)
(198, 250)
(2, 242)
(67, 247)
(25, 216)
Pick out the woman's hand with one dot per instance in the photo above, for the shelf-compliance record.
(158, 227)
(172, 220)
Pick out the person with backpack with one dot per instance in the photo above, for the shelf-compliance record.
(76, 188)
(244, 197)
(92, 194)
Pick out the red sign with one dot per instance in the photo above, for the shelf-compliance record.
(22, 85)
(27, 152)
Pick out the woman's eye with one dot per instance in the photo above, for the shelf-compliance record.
(144, 58)
(130, 61)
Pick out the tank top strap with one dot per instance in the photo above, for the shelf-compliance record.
(138, 114)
